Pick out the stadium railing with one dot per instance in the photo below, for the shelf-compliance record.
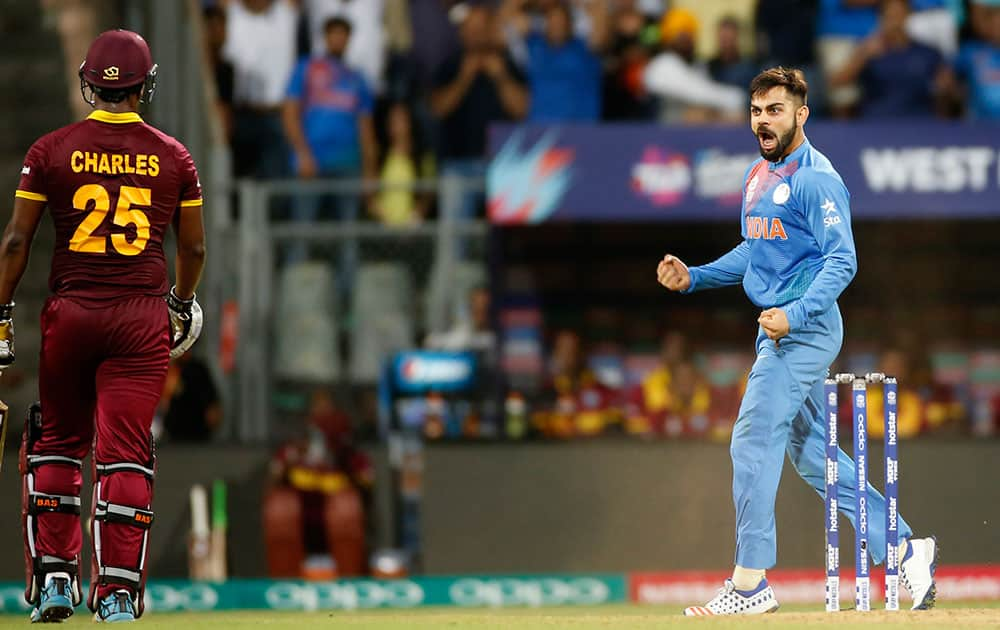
(251, 250)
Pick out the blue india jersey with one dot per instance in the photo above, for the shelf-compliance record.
(798, 249)
(333, 97)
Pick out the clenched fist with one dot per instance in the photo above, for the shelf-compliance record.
(673, 274)
(774, 321)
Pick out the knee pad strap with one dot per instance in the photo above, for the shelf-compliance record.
(39, 503)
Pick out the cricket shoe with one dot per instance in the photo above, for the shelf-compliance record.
(916, 571)
(730, 601)
(55, 602)
(116, 607)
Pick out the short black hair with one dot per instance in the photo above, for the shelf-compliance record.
(116, 95)
(791, 79)
(337, 21)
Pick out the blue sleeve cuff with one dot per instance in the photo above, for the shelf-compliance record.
(796, 314)
(694, 281)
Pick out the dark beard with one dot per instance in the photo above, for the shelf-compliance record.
(782, 143)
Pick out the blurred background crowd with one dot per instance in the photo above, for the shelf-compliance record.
(392, 92)
(418, 82)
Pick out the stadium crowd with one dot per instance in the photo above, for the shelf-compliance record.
(415, 83)
(393, 91)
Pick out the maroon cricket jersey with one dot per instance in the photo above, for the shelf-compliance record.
(112, 183)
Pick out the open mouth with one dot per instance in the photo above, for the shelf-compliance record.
(768, 141)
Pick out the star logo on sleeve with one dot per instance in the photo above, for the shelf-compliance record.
(830, 208)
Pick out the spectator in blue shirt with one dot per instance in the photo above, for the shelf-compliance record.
(898, 76)
(564, 71)
(841, 26)
(978, 67)
(327, 117)
(328, 113)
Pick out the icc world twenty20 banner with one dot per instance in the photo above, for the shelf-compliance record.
(625, 172)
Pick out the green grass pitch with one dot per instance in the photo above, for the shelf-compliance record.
(631, 617)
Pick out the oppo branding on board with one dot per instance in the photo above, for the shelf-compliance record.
(345, 595)
(528, 592)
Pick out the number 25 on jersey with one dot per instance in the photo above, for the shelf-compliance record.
(126, 213)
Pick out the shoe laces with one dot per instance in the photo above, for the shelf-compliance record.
(60, 586)
(119, 601)
(56, 586)
(904, 579)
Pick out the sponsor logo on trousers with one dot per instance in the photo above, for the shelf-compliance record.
(528, 592)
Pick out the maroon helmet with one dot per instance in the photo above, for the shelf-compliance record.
(116, 60)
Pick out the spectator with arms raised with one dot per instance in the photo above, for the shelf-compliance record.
(474, 87)
(564, 71)
(897, 75)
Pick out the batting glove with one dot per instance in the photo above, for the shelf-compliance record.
(6, 335)
(186, 322)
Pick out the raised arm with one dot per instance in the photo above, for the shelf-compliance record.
(668, 76)
(513, 94)
(725, 271)
(446, 98)
(864, 52)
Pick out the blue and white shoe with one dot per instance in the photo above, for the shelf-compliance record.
(916, 571)
(116, 607)
(730, 601)
(55, 602)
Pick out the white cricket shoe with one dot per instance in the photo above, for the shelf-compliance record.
(730, 601)
(916, 571)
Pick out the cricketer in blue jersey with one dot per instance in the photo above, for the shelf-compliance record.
(796, 257)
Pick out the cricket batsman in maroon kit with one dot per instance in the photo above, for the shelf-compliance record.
(112, 184)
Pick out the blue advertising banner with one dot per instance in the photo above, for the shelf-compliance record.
(625, 172)
(421, 370)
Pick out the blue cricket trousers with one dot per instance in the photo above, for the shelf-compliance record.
(783, 411)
